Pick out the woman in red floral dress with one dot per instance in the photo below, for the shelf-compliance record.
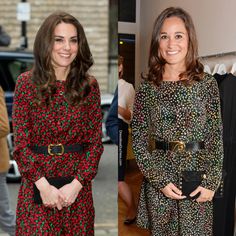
(57, 127)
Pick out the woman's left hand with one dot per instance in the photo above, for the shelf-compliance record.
(71, 191)
(205, 194)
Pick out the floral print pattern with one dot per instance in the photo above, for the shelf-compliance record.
(176, 112)
(63, 123)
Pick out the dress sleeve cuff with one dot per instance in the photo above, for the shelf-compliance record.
(80, 179)
(210, 183)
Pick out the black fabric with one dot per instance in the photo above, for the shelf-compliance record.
(58, 182)
(224, 208)
(190, 180)
(191, 146)
(122, 150)
(57, 149)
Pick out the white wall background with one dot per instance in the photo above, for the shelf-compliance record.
(214, 20)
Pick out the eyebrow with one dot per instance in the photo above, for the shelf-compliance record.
(179, 32)
(59, 36)
(175, 33)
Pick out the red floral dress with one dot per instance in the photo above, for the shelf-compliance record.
(58, 123)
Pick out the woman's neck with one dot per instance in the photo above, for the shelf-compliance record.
(61, 73)
(172, 73)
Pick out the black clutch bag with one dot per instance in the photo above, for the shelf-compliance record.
(58, 182)
(190, 180)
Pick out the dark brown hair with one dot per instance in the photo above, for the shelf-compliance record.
(77, 81)
(156, 63)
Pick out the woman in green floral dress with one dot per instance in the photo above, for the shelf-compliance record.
(178, 106)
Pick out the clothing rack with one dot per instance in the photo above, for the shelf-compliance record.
(220, 63)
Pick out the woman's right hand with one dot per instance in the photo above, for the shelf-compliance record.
(172, 192)
(51, 196)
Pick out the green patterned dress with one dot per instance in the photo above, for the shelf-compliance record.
(170, 112)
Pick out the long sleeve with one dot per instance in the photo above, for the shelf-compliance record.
(24, 157)
(150, 168)
(93, 141)
(4, 123)
(214, 137)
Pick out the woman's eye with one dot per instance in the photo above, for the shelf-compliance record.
(163, 37)
(74, 40)
(58, 40)
(178, 36)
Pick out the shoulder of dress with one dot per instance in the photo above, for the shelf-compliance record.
(208, 78)
(94, 88)
(92, 80)
(25, 78)
(209, 85)
(145, 86)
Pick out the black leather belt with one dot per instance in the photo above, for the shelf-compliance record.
(57, 149)
(179, 146)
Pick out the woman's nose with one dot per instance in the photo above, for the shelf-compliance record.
(67, 45)
(171, 41)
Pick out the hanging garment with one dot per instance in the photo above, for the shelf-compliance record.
(224, 208)
(207, 69)
(233, 69)
(222, 69)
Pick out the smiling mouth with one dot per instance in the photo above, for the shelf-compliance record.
(172, 52)
(65, 55)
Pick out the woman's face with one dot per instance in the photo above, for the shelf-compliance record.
(121, 70)
(173, 41)
(65, 45)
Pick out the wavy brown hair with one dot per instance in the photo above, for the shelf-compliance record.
(77, 84)
(194, 69)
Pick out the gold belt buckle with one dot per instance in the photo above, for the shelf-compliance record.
(177, 146)
(50, 146)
